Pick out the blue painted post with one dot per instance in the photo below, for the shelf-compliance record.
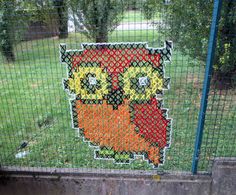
(206, 84)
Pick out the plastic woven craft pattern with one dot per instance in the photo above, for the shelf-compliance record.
(116, 105)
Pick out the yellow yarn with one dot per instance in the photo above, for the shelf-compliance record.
(156, 82)
(75, 83)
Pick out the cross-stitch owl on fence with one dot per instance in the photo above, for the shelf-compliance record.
(116, 105)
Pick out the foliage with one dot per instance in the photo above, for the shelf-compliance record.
(97, 17)
(189, 26)
(36, 10)
(225, 63)
(6, 33)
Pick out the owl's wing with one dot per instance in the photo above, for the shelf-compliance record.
(152, 123)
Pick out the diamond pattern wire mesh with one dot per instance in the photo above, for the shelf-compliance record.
(219, 139)
(35, 115)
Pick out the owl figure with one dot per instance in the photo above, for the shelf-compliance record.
(116, 105)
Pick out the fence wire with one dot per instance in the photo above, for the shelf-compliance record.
(36, 129)
(219, 138)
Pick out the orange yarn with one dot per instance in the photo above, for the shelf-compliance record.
(112, 128)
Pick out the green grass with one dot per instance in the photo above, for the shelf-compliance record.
(35, 108)
(137, 16)
(219, 140)
(152, 37)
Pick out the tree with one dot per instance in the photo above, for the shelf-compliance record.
(62, 11)
(188, 25)
(6, 33)
(98, 17)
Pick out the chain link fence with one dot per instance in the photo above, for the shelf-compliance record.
(36, 129)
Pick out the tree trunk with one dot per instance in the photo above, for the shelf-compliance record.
(102, 27)
(102, 34)
(62, 11)
(7, 51)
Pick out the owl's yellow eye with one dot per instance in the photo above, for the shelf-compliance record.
(141, 83)
(89, 82)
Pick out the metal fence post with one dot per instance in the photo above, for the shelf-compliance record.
(206, 84)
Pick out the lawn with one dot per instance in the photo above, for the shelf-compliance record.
(35, 108)
(138, 16)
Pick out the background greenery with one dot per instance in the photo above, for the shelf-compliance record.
(189, 27)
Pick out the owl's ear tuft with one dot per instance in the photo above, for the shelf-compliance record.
(169, 45)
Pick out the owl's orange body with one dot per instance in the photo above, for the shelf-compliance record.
(113, 128)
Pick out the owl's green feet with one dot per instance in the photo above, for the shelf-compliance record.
(119, 157)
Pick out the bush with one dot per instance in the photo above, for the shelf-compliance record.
(189, 27)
